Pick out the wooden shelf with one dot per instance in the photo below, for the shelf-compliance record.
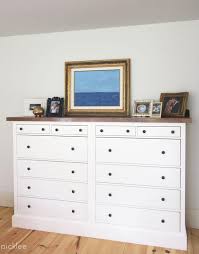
(100, 119)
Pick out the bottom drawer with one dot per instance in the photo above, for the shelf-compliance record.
(139, 218)
(52, 208)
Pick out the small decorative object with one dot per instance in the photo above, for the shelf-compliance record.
(174, 104)
(38, 111)
(156, 109)
(98, 87)
(30, 104)
(55, 107)
(143, 108)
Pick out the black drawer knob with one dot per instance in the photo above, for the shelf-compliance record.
(167, 251)
(162, 221)
(56, 129)
(163, 199)
(73, 211)
(72, 148)
(80, 130)
(28, 147)
(127, 131)
(29, 206)
(73, 171)
(144, 131)
(110, 150)
(29, 187)
(73, 191)
(28, 168)
(172, 132)
(110, 195)
(110, 174)
(43, 129)
(110, 215)
(101, 130)
(21, 128)
(163, 152)
(163, 177)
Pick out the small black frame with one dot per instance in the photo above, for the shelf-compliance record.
(55, 107)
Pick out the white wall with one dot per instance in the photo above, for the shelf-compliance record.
(165, 58)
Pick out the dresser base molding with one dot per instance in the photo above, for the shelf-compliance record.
(103, 231)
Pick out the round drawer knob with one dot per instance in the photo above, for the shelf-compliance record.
(73, 171)
(172, 132)
(72, 148)
(163, 152)
(127, 131)
(110, 150)
(110, 174)
(29, 206)
(21, 128)
(56, 129)
(28, 168)
(43, 129)
(73, 211)
(163, 199)
(29, 187)
(28, 147)
(101, 130)
(73, 191)
(110, 195)
(163, 177)
(109, 215)
(167, 251)
(80, 130)
(144, 131)
(162, 221)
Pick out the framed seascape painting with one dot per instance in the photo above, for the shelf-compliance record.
(97, 88)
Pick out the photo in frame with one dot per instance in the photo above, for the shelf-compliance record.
(174, 104)
(156, 109)
(55, 107)
(143, 108)
(97, 88)
(30, 104)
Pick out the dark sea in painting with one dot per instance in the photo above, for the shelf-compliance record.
(97, 99)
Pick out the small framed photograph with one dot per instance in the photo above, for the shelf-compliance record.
(30, 104)
(157, 109)
(55, 107)
(143, 108)
(174, 104)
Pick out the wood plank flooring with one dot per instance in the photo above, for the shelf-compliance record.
(24, 241)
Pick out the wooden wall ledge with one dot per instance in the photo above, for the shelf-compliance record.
(100, 119)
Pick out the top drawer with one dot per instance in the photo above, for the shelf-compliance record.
(32, 129)
(115, 131)
(70, 130)
(166, 132)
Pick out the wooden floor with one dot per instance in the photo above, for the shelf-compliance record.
(24, 241)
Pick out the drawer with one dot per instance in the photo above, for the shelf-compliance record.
(32, 129)
(52, 208)
(76, 172)
(137, 175)
(128, 131)
(52, 190)
(138, 197)
(165, 132)
(139, 218)
(52, 148)
(138, 151)
(70, 130)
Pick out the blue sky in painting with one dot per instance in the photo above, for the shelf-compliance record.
(97, 81)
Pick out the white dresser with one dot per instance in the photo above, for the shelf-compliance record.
(105, 178)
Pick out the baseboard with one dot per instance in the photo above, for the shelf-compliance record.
(192, 218)
(6, 197)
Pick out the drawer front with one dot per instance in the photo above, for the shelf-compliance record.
(80, 130)
(166, 132)
(139, 197)
(52, 208)
(52, 190)
(32, 129)
(139, 218)
(128, 131)
(53, 148)
(76, 172)
(136, 175)
(138, 151)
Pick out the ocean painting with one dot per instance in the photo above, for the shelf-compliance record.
(97, 88)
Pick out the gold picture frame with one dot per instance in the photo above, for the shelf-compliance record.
(97, 88)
